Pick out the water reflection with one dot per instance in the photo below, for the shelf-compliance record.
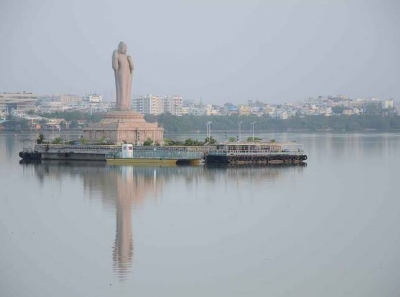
(8, 144)
(126, 188)
(254, 174)
(123, 245)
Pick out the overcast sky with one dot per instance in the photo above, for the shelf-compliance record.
(217, 50)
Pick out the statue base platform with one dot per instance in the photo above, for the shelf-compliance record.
(123, 126)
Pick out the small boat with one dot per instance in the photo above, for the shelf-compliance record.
(262, 153)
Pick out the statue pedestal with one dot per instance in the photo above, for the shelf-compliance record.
(120, 126)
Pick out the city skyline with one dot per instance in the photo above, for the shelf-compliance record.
(30, 106)
(219, 52)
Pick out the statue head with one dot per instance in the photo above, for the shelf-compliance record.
(122, 48)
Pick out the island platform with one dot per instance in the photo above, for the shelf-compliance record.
(226, 153)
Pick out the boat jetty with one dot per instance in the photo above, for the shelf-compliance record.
(262, 153)
(232, 153)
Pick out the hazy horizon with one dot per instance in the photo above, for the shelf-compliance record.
(273, 51)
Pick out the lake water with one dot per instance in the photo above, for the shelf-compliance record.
(84, 229)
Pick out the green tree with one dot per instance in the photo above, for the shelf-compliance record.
(210, 140)
(23, 124)
(40, 139)
(255, 138)
(148, 141)
(188, 142)
(102, 141)
(167, 141)
(63, 125)
(353, 126)
(170, 142)
(338, 109)
(232, 139)
(74, 124)
(57, 140)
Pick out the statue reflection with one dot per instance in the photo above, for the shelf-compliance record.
(123, 245)
(124, 188)
(119, 188)
(133, 184)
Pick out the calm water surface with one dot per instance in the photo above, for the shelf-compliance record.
(85, 229)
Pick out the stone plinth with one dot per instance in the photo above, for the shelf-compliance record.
(120, 126)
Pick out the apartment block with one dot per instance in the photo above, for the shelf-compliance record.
(148, 104)
(70, 99)
(173, 105)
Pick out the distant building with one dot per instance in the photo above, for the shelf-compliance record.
(269, 110)
(185, 110)
(244, 110)
(258, 111)
(50, 106)
(151, 104)
(212, 110)
(231, 109)
(148, 104)
(388, 104)
(327, 111)
(284, 116)
(93, 98)
(197, 110)
(173, 104)
(17, 102)
(70, 100)
(347, 112)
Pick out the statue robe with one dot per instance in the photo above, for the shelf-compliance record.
(123, 67)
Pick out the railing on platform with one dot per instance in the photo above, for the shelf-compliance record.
(173, 152)
(254, 153)
(62, 148)
(161, 153)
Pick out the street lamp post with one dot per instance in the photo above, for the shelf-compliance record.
(208, 124)
(253, 129)
(240, 130)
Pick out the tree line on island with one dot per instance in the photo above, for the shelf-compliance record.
(148, 142)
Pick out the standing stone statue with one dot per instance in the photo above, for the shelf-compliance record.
(123, 68)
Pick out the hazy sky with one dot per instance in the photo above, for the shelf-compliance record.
(270, 50)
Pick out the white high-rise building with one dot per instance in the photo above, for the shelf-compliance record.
(173, 105)
(388, 104)
(148, 104)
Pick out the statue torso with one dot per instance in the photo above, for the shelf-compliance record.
(123, 63)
